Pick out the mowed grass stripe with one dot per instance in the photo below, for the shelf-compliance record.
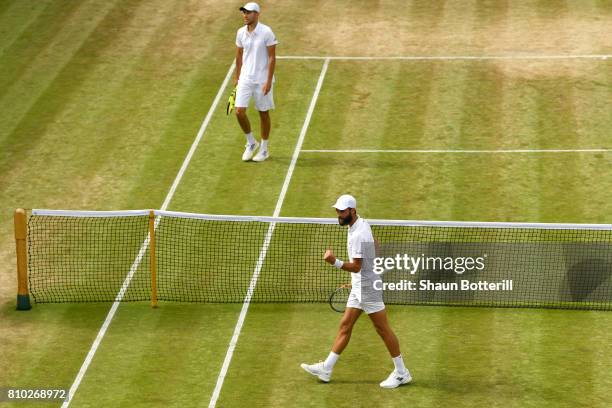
(321, 204)
(331, 122)
(131, 109)
(380, 104)
(109, 113)
(593, 111)
(16, 17)
(6, 5)
(135, 112)
(46, 345)
(444, 127)
(445, 28)
(177, 130)
(57, 71)
(555, 122)
(87, 140)
(478, 124)
(537, 114)
(48, 182)
(118, 347)
(386, 187)
(572, 343)
(33, 108)
(165, 357)
(473, 96)
(495, 107)
(594, 116)
(465, 356)
(217, 180)
(441, 128)
(577, 27)
(431, 121)
(405, 119)
(516, 184)
(34, 38)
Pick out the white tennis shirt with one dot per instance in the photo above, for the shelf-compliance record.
(255, 52)
(360, 244)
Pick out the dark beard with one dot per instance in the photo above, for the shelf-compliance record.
(346, 220)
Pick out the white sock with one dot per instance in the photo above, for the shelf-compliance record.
(399, 364)
(250, 139)
(264, 145)
(331, 361)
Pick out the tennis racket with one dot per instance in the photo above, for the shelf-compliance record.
(339, 297)
(231, 101)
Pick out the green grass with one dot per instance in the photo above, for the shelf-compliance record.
(165, 357)
(465, 357)
(99, 103)
(233, 186)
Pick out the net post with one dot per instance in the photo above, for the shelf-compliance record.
(152, 262)
(23, 297)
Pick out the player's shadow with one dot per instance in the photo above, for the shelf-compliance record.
(584, 277)
(334, 381)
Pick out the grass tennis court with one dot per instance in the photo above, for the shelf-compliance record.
(100, 103)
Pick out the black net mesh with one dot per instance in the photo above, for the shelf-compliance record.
(88, 259)
(81, 259)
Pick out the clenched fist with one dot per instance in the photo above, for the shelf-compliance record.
(329, 256)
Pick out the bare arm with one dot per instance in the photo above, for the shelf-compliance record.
(238, 63)
(271, 66)
(353, 267)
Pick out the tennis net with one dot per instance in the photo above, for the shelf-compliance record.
(80, 256)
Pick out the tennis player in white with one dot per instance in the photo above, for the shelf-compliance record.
(362, 298)
(255, 63)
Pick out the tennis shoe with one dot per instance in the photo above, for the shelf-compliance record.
(261, 156)
(249, 151)
(396, 379)
(318, 370)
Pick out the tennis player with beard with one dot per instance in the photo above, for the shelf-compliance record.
(363, 297)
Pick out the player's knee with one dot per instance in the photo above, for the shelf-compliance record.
(346, 327)
(382, 329)
(345, 330)
(240, 112)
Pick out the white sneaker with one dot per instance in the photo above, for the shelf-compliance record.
(318, 370)
(396, 379)
(261, 156)
(249, 151)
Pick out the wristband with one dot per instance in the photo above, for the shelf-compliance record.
(338, 264)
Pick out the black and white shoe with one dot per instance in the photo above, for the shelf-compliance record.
(396, 379)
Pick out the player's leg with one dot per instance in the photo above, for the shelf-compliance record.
(381, 324)
(265, 124)
(324, 369)
(349, 318)
(263, 153)
(243, 120)
(264, 103)
(400, 375)
(244, 92)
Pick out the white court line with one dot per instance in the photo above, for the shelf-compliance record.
(264, 248)
(450, 57)
(458, 151)
(145, 245)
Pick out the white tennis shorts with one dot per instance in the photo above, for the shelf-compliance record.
(247, 90)
(368, 307)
